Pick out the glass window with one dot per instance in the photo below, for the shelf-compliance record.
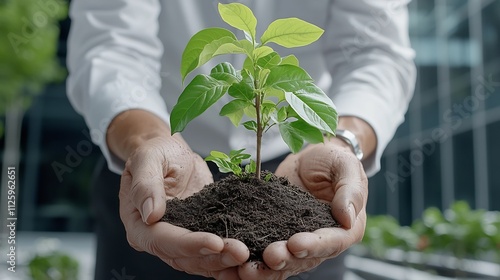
(431, 171)
(460, 84)
(422, 18)
(491, 53)
(430, 113)
(427, 81)
(455, 6)
(463, 163)
(493, 140)
(405, 171)
(58, 172)
(378, 186)
(490, 27)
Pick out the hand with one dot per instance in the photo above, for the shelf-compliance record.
(333, 174)
(163, 168)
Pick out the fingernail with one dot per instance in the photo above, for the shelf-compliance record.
(301, 254)
(228, 260)
(280, 266)
(206, 251)
(352, 214)
(147, 209)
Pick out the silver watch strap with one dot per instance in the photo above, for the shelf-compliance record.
(350, 139)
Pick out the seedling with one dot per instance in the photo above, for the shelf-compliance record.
(269, 90)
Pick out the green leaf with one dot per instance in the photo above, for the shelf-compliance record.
(268, 107)
(291, 32)
(225, 72)
(314, 107)
(196, 44)
(234, 105)
(234, 110)
(201, 93)
(274, 92)
(239, 16)
(224, 166)
(220, 46)
(235, 117)
(229, 163)
(248, 66)
(250, 125)
(217, 154)
(290, 112)
(238, 155)
(242, 157)
(291, 59)
(251, 167)
(288, 78)
(307, 132)
(269, 61)
(282, 116)
(250, 112)
(247, 46)
(268, 177)
(291, 137)
(263, 74)
(262, 51)
(234, 153)
(242, 90)
(248, 77)
(241, 46)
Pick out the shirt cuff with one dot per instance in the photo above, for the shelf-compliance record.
(377, 114)
(114, 100)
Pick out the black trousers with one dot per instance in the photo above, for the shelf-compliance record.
(116, 260)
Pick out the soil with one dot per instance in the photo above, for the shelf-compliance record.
(256, 212)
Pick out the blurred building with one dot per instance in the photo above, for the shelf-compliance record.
(446, 150)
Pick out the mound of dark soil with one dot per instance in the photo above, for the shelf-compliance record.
(256, 212)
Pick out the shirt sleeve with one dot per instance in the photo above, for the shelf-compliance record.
(371, 63)
(114, 64)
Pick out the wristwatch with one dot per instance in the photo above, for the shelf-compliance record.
(350, 139)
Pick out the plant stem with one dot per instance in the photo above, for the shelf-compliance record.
(259, 136)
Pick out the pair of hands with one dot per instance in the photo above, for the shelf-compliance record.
(164, 168)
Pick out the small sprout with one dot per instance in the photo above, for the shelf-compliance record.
(251, 167)
(229, 163)
(268, 177)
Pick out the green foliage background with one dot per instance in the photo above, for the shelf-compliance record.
(28, 48)
(53, 266)
(458, 231)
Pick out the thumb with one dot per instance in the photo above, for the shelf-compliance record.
(147, 192)
(350, 195)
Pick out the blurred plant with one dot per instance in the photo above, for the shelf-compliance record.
(28, 61)
(53, 266)
(384, 232)
(459, 231)
(28, 48)
(49, 263)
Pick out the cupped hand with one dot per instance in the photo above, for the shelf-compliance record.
(333, 174)
(161, 169)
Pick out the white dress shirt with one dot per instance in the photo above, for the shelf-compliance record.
(125, 54)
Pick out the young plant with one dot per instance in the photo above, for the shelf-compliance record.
(269, 89)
